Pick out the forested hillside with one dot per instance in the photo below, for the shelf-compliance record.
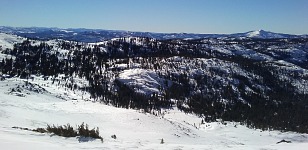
(262, 83)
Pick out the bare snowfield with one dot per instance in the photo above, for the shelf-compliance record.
(7, 40)
(38, 104)
(144, 81)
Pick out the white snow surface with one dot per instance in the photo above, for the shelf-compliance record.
(8, 40)
(143, 81)
(263, 34)
(38, 104)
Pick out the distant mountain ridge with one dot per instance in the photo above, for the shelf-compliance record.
(96, 35)
(265, 35)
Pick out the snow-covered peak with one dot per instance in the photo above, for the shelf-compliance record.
(256, 33)
(264, 34)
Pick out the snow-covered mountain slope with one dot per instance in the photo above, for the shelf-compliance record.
(263, 35)
(144, 81)
(38, 104)
(97, 35)
(8, 40)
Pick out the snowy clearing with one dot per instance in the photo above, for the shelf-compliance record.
(143, 81)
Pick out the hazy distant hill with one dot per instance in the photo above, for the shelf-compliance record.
(96, 35)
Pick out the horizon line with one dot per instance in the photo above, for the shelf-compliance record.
(123, 30)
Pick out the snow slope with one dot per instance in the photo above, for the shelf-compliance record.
(143, 81)
(263, 34)
(8, 40)
(38, 103)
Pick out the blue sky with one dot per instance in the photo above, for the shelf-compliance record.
(192, 16)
